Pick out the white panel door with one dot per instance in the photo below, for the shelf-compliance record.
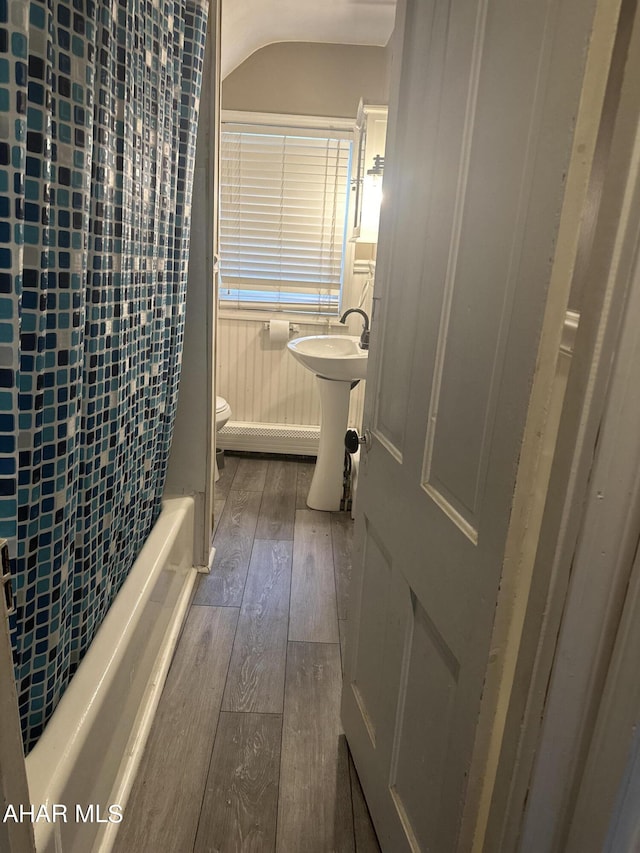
(481, 122)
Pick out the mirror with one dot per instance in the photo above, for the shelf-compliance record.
(372, 128)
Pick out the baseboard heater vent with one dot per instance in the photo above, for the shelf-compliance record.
(299, 439)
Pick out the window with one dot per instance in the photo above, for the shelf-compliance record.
(284, 193)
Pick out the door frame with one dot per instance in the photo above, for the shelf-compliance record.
(602, 567)
(596, 248)
(612, 770)
(191, 468)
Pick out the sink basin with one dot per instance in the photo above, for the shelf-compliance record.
(336, 357)
(337, 362)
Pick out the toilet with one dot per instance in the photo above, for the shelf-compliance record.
(223, 413)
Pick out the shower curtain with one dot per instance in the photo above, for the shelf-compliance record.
(98, 116)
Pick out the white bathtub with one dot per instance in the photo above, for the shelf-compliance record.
(91, 747)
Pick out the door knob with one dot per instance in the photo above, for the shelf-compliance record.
(352, 440)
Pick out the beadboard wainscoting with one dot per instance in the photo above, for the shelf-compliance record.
(272, 397)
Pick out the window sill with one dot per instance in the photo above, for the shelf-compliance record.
(297, 318)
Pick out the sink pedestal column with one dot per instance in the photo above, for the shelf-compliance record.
(326, 486)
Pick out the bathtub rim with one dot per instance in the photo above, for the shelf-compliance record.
(52, 760)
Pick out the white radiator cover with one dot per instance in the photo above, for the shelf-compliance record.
(264, 385)
(299, 439)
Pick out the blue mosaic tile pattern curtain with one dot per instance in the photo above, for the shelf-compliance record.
(98, 115)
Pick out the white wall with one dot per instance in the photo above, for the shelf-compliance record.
(263, 383)
(248, 26)
(300, 78)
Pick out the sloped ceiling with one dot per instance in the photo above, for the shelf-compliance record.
(248, 25)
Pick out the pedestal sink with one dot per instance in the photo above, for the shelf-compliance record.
(337, 361)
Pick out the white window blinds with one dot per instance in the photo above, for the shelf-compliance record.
(283, 207)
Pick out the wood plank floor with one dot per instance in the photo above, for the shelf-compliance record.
(247, 752)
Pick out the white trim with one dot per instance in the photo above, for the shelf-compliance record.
(600, 574)
(609, 524)
(598, 291)
(284, 120)
(205, 570)
(606, 819)
(361, 267)
(328, 321)
(191, 467)
(366, 110)
(212, 114)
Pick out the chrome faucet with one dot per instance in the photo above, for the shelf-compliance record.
(364, 337)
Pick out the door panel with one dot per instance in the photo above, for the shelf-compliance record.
(480, 130)
(372, 640)
(493, 187)
(400, 322)
(431, 685)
